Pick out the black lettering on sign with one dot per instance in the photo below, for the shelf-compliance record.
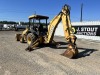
(89, 30)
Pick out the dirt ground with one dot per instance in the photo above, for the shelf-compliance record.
(14, 60)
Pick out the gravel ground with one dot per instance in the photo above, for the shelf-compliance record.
(14, 60)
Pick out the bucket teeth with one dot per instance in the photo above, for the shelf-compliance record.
(68, 53)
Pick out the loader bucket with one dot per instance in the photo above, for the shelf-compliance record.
(17, 37)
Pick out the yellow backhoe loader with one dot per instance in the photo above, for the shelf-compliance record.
(40, 33)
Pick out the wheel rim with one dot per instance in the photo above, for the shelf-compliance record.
(29, 40)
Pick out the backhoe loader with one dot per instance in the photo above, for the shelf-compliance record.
(35, 27)
(41, 34)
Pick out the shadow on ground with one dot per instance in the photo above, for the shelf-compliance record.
(85, 52)
(64, 44)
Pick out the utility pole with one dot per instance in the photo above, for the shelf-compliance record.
(34, 14)
(81, 19)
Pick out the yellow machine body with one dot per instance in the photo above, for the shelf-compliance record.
(63, 16)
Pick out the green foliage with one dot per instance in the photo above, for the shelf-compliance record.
(13, 22)
(25, 23)
(8, 22)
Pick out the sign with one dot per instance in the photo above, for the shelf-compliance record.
(90, 30)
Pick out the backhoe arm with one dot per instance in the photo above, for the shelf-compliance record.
(52, 27)
(67, 27)
(64, 16)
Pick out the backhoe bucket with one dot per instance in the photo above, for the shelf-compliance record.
(71, 51)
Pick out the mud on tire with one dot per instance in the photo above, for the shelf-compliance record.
(31, 38)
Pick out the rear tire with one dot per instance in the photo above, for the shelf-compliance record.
(31, 38)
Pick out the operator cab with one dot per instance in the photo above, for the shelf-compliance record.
(38, 23)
